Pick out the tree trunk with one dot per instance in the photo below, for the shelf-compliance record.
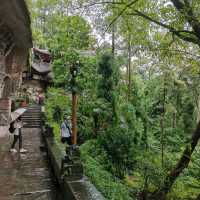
(113, 40)
(74, 118)
(162, 126)
(183, 163)
(129, 66)
(174, 120)
(162, 139)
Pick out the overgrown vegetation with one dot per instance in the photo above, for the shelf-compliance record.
(138, 96)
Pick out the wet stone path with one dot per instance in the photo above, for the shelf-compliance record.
(26, 176)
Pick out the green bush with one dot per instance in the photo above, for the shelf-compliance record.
(118, 144)
(111, 188)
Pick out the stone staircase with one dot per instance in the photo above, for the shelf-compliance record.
(32, 117)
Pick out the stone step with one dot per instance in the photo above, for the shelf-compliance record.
(31, 126)
(30, 114)
(34, 126)
(32, 117)
(27, 116)
(33, 122)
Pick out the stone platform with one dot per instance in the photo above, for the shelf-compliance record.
(26, 176)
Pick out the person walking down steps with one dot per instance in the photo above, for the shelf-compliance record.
(17, 131)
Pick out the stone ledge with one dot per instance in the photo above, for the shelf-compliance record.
(72, 186)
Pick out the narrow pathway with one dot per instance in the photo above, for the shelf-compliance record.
(26, 176)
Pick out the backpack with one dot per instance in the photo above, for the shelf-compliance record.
(12, 128)
(67, 126)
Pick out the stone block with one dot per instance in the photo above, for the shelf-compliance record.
(73, 172)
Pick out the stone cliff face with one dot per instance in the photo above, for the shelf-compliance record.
(15, 41)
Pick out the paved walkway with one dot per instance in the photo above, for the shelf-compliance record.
(25, 176)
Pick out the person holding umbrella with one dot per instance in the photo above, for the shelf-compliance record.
(17, 130)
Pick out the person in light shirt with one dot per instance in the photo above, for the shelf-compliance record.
(18, 136)
(65, 131)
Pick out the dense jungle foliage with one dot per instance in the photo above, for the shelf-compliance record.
(138, 91)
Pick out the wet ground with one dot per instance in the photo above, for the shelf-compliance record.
(26, 176)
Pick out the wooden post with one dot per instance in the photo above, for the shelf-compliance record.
(74, 118)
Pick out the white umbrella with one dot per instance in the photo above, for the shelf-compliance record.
(17, 113)
(14, 115)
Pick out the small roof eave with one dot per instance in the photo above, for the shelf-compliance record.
(42, 51)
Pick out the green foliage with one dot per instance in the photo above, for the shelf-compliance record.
(108, 79)
(57, 113)
(104, 181)
(57, 104)
(105, 111)
(163, 106)
(62, 67)
(117, 143)
(54, 29)
(86, 82)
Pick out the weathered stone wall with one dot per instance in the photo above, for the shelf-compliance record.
(5, 108)
(11, 79)
(15, 41)
(15, 63)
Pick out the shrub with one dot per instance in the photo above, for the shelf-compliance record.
(111, 188)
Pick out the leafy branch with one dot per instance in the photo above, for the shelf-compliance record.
(187, 11)
(121, 13)
(180, 33)
(98, 3)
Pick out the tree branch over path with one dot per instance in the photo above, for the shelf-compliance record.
(98, 3)
(175, 51)
(188, 36)
(192, 38)
(121, 13)
(186, 10)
